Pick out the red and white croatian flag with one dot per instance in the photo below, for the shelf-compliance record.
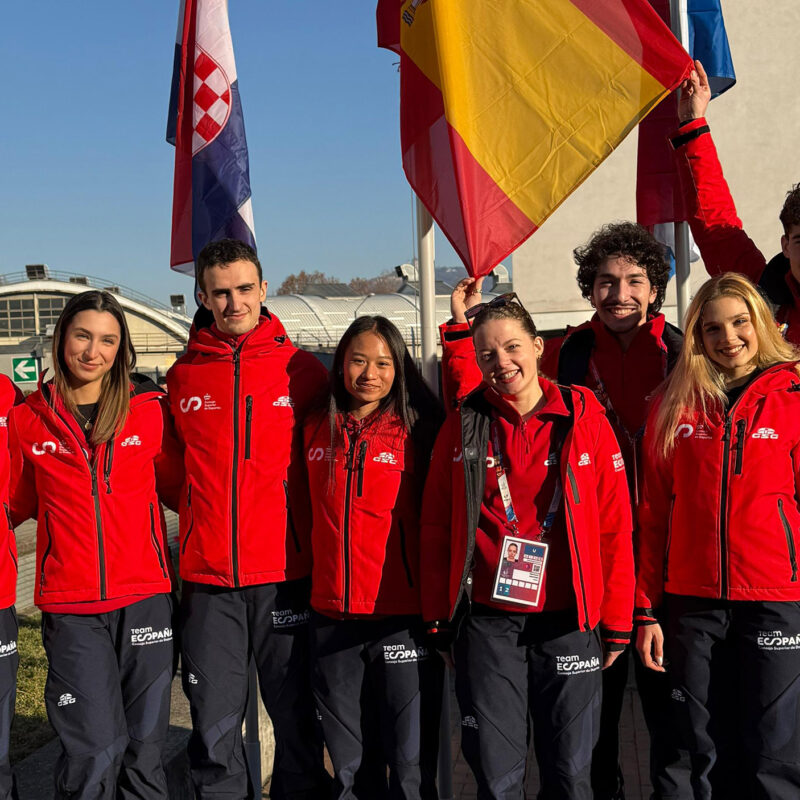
(211, 198)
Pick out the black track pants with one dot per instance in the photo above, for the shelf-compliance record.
(510, 665)
(669, 767)
(735, 670)
(378, 691)
(9, 661)
(108, 699)
(220, 629)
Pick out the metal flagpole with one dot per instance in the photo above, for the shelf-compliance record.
(427, 296)
(680, 27)
(430, 371)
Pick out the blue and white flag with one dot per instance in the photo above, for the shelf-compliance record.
(211, 197)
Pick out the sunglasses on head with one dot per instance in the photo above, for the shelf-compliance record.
(507, 299)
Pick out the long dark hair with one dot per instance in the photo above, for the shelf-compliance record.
(410, 399)
(114, 403)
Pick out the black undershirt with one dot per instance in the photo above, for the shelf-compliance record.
(85, 418)
(735, 392)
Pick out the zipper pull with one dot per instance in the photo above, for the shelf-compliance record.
(362, 454)
(350, 455)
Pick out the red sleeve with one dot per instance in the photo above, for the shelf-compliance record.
(23, 501)
(436, 521)
(716, 227)
(653, 524)
(168, 465)
(460, 373)
(616, 537)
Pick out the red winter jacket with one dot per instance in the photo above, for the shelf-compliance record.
(239, 405)
(10, 396)
(365, 536)
(597, 507)
(717, 229)
(720, 518)
(101, 533)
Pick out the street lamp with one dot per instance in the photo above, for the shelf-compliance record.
(355, 313)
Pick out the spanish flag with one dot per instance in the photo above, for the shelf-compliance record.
(506, 106)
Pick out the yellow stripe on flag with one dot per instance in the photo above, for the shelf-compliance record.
(538, 93)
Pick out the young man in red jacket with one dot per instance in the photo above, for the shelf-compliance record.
(716, 227)
(622, 354)
(239, 396)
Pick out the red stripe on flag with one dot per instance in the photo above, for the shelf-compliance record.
(640, 32)
(181, 251)
(478, 218)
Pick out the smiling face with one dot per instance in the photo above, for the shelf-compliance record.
(621, 295)
(233, 294)
(728, 336)
(91, 344)
(368, 372)
(507, 356)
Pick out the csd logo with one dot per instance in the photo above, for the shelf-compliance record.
(316, 454)
(45, 447)
(191, 404)
(684, 431)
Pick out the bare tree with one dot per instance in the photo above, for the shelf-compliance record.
(296, 283)
(385, 283)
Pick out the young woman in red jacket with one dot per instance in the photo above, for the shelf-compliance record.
(526, 540)
(376, 684)
(718, 527)
(92, 450)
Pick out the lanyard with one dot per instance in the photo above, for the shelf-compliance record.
(505, 490)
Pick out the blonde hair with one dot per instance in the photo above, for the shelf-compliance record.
(697, 383)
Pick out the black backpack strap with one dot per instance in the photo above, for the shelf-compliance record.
(673, 341)
(574, 357)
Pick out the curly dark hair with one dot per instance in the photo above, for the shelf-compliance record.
(627, 240)
(790, 213)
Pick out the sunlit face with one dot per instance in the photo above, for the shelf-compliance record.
(507, 356)
(233, 294)
(728, 336)
(368, 371)
(790, 244)
(621, 294)
(91, 343)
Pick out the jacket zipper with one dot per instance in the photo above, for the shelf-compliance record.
(92, 465)
(247, 424)
(723, 511)
(404, 554)
(191, 518)
(235, 472)
(47, 549)
(669, 538)
(289, 519)
(155, 540)
(10, 529)
(362, 453)
(740, 428)
(108, 461)
(576, 497)
(348, 487)
(789, 539)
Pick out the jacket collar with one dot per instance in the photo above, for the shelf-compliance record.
(554, 403)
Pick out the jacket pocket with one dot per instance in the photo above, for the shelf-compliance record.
(248, 425)
(154, 540)
(789, 539)
(404, 553)
(190, 514)
(10, 531)
(669, 538)
(573, 484)
(46, 550)
(289, 520)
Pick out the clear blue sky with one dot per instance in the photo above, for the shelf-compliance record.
(86, 180)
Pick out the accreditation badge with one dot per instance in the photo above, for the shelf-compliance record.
(520, 573)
